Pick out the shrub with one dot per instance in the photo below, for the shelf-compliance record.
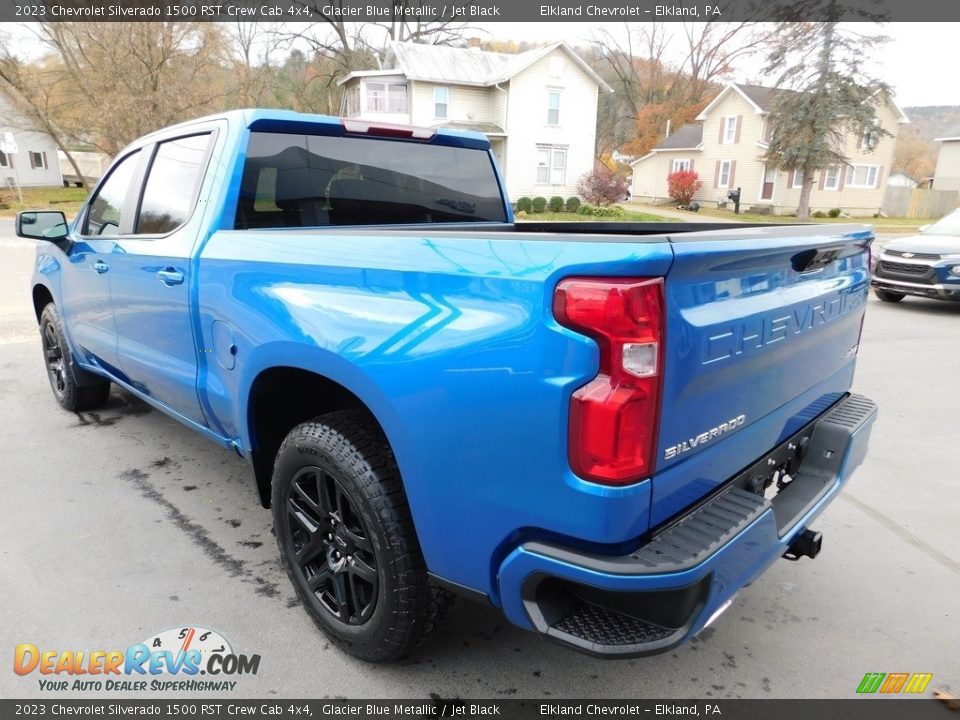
(597, 211)
(834, 213)
(555, 204)
(524, 204)
(682, 185)
(573, 203)
(539, 204)
(819, 214)
(602, 186)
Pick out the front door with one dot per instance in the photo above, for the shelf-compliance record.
(150, 278)
(86, 276)
(769, 180)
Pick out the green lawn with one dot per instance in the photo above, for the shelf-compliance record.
(882, 225)
(628, 216)
(48, 198)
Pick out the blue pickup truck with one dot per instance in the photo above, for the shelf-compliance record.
(605, 430)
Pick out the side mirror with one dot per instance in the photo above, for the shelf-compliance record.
(50, 225)
(923, 228)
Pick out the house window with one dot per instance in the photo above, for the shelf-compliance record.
(680, 164)
(862, 176)
(38, 160)
(729, 130)
(353, 101)
(386, 97)
(551, 165)
(4, 160)
(797, 179)
(871, 135)
(831, 178)
(441, 102)
(553, 108)
(723, 178)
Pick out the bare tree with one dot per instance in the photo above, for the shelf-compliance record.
(28, 91)
(655, 84)
(127, 79)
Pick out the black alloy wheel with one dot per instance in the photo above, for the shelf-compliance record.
(347, 540)
(75, 389)
(334, 553)
(53, 357)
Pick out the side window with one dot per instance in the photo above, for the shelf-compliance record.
(108, 204)
(172, 184)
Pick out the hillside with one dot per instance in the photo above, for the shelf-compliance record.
(931, 121)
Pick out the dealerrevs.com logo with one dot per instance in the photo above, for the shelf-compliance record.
(172, 660)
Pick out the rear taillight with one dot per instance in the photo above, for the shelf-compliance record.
(614, 417)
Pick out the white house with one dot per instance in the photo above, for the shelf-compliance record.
(947, 174)
(538, 108)
(34, 164)
(898, 178)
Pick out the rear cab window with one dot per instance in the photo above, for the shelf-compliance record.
(302, 180)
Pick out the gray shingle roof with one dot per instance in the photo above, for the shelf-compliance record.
(951, 132)
(761, 96)
(467, 66)
(447, 64)
(688, 136)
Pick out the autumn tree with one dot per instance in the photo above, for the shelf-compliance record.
(663, 72)
(914, 154)
(825, 96)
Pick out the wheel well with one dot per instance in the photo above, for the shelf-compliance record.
(41, 298)
(281, 398)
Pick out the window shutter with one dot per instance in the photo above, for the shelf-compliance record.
(716, 175)
(736, 137)
(723, 126)
(823, 177)
(45, 166)
(733, 169)
(790, 179)
(879, 177)
(842, 170)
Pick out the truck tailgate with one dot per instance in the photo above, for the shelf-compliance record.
(756, 318)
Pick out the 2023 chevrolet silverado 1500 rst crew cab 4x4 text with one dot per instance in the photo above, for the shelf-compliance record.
(605, 430)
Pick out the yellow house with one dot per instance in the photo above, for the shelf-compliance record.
(727, 143)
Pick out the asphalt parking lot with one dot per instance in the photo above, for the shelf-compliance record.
(120, 523)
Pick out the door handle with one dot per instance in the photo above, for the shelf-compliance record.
(170, 276)
(101, 267)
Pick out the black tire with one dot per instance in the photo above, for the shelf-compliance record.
(347, 540)
(61, 371)
(888, 295)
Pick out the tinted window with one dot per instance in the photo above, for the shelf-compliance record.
(315, 180)
(108, 204)
(172, 184)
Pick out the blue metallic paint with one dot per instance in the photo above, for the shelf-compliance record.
(451, 342)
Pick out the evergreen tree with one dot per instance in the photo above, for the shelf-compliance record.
(825, 95)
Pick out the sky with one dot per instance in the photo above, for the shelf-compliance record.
(918, 62)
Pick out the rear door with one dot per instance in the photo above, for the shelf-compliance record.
(151, 275)
(757, 318)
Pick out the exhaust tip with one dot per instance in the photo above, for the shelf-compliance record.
(806, 544)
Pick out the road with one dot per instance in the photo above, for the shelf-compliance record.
(121, 523)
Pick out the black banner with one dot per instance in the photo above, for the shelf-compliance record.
(222, 709)
(308, 11)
